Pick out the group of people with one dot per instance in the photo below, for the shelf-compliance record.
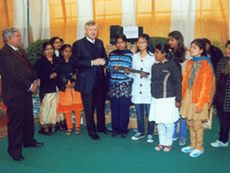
(152, 80)
(57, 74)
(167, 84)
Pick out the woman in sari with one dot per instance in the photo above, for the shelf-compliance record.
(49, 121)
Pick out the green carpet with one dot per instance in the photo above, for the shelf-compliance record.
(79, 153)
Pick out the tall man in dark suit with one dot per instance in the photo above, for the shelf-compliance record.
(18, 84)
(90, 56)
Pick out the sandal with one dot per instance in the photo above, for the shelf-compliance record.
(167, 149)
(77, 130)
(159, 147)
(68, 132)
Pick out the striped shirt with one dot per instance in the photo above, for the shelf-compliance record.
(121, 58)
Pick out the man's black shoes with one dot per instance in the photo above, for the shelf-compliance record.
(17, 158)
(105, 131)
(94, 136)
(35, 144)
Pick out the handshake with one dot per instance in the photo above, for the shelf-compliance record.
(98, 62)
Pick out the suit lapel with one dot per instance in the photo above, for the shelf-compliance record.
(99, 48)
(18, 56)
(27, 61)
(88, 47)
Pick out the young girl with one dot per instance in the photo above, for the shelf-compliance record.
(196, 87)
(166, 95)
(176, 43)
(120, 86)
(141, 96)
(69, 100)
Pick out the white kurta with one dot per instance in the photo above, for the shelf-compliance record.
(164, 110)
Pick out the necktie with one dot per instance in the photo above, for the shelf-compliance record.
(23, 57)
(19, 52)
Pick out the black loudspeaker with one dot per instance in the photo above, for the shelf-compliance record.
(114, 31)
(140, 30)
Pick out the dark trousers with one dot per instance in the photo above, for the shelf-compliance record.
(120, 114)
(224, 118)
(182, 130)
(95, 99)
(140, 109)
(20, 124)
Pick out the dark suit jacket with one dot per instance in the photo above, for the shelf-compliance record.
(17, 75)
(86, 74)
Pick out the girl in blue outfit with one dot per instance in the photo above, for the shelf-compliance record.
(176, 42)
(120, 86)
(141, 95)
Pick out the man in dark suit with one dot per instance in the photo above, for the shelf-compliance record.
(90, 56)
(213, 53)
(18, 84)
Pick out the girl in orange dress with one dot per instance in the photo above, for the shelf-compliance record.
(196, 96)
(69, 99)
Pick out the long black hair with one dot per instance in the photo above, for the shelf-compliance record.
(150, 48)
(179, 53)
(52, 40)
(228, 42)
(165, 48)
(201, 44)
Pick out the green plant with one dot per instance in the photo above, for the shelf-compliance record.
(34, 50)
(157, 40)
(220, 45)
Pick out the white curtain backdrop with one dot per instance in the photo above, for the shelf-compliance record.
(128, 12)
(85, 13)
(20, 19)
(40, 19)
(183, 19)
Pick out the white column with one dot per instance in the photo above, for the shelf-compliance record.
(40, 19)
(128, 12)
(183, 19)
(20, 19)
(85, 13)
